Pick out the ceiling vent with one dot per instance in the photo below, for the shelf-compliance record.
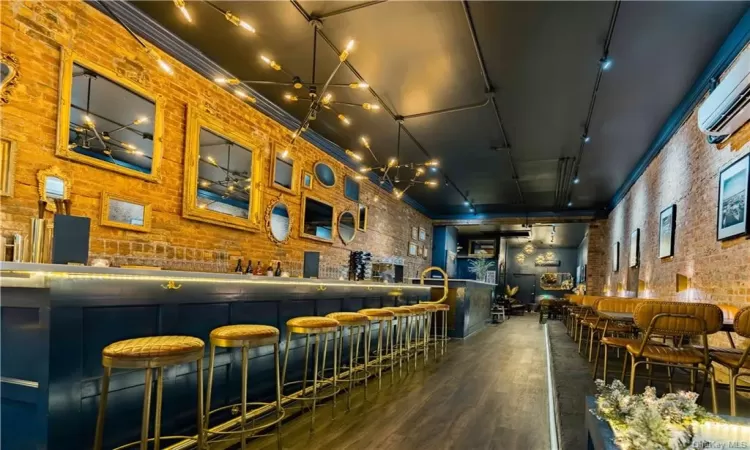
(727, 107)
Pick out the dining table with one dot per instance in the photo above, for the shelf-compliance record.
(627, 317)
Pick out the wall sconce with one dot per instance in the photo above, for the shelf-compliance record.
(619, 287)
(682, 283)
(642, 286)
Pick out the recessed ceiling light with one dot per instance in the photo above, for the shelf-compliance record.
(570, 204)
(466, 203)
(576, 180)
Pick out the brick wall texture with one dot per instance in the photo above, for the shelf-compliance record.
(35, 32)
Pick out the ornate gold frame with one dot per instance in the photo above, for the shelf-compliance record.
(68, 59)
(315, 175)
(334, 223)
(7, 167)
(196, 121)
(269, 211)
(104, 213)
(361, 227)
(295, 173)
(312, 180)
(10, 84)
(338, 228)
(41, 177)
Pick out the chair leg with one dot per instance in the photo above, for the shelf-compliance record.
(606, 360)
(146, 409)
(389, 344)
(580, 339)
(276, 357)
(650, 372)
(592, 333)
(157, 411)
(380, 354)
(596, 360)
(624, 365)
(710, 373)
(102, 408)
(366, 345)
(733, 376)
(669, 375)
(352, 363)
(692, 378)
(633, 367)
(307, 357)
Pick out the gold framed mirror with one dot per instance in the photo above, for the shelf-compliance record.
(52, 184)
(347, 227)
(362, 217)
(317, 219)
(325, 174)
(108, 121)
(283, 174)
(279, 222)
(123, 212)
(7, 167)
(9, 76)
(222, 173)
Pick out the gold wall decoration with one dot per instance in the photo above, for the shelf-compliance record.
(190, 208)
(48, 180)
(7, 167)
(123, 212)
(11, 76)
(304, 216)
(274, 234)
(68, 61)
(528, 248)
(362, 217)
(294, 176)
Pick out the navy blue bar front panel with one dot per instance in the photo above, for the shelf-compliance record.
(52, 340)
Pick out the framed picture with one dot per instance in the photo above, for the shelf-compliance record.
(414, 233)
(420, 251)
(422, 234)
(734, 185)
(307, 180)
(122, 212)
(616, 257)
(351, 188)
(635, 248)
(412, 249)
(666, 231)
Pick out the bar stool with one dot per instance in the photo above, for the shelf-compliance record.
(155, 352)
(402, 320)
(429, 320)
(312, 326)
(245, 337)
(384, 319)
(442, 309)
(416, 322)
(357, 324)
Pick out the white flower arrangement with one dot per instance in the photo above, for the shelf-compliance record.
(647, 422)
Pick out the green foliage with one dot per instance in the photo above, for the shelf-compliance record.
(480, 266)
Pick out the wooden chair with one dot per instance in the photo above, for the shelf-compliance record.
(605, 327)
(677, 320)
(736, 361)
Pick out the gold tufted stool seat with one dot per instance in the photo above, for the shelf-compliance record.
(244, 337)
(315, 328)
(153, 352)
(384, 319)
(354, 325)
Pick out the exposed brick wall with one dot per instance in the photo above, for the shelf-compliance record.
(34, 32)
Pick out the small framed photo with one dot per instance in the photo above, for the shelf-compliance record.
(616, 257)
(307, 180)
(412, 249)
(667, 222)
(414, 233)
(635, 248)
(122, 212)
(422, 234)
(734, 184)
(420, 251)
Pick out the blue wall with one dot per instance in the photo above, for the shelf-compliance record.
(526, 275)
(445, 239)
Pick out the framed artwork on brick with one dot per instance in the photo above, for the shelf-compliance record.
(283, 174)
(414, 233)
(422, 234)
(307, 180)
(667, 221)
(412, 249)
(635, 248)
(616, 257)
(734, 186)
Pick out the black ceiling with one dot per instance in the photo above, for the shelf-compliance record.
(541, 57)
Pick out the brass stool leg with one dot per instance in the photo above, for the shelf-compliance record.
(102, 408)
(157, 413)
(199, 409)
(367, 339)
(315, 381)
(407, 337)
(276, 357)
(390, 344)
(426, 334)
(209, 388)
(380, 353)
(286, 359)
(146, 409)
(445, 332)
(435, 333)
(307, 356)
(400, 344)
(352, 362)
(335, 371)
(732, 392)
(243, 393)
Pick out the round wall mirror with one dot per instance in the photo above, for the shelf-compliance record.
(279, 222)
(347, 227)
(325, 175)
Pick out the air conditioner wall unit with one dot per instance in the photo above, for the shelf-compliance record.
(727, 108)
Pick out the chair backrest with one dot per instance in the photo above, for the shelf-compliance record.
(742, 322)
(614, 304)
(677, 318)
(589, 300)
(575, 299)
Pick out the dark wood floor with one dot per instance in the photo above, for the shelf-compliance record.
(487, 392)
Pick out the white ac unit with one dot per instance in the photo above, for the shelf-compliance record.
(727, 108)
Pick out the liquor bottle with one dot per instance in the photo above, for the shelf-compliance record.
(258, 269)
(269, 269)
(238, 269)
(249, 270)
(277, 273)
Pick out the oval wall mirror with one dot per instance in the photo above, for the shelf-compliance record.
(347, 227)
(325, 174)
(279, 222)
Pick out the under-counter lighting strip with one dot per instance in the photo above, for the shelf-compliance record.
(554, 431)
(240, 279)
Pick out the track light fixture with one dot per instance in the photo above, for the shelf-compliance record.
(586, 138)
(180, 4)
(606, 63)
(570, 204)
(576, 180)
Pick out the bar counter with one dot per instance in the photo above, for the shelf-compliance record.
(56, 320)
(470, 302)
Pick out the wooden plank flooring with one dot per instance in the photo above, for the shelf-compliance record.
(487, 392)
